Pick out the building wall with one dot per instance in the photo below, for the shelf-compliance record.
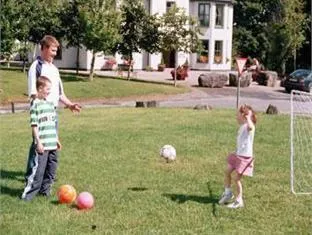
(213, 34)
(142, 60)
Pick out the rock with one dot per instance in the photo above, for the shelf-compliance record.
(202, 107)
(152, 104)
(245, 79)
(271, 109)
(139, 104)
(146, 104)
(212, 80)
(267, 78)
(272, 78)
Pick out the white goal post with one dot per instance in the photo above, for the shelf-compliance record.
(301, 142)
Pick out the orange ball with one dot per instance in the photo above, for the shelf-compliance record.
(66, 194)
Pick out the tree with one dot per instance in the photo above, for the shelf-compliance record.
(271, 30)
(250, 20)
(296, 22)
(101, 22)
(139, 31)
(72, 26)
(179, 33)
(7, 33)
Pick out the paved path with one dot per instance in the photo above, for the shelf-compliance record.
(257, 96)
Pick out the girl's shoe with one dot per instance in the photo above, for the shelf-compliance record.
(236, 204)
(225, 198)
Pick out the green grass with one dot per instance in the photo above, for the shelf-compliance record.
(13, 87)
(113, 153)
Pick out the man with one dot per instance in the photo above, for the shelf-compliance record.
(43, 66)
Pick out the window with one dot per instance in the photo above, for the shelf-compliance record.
(169, 5)
(203, 57)
(219, 15)
(203, 14)
(218, 52)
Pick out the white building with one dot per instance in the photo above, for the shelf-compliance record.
(216, 21)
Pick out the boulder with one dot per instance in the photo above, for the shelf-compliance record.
(212, 80)
(202, 107)
(146, 104)
(271, 109)
(267, 78)
(245, 79)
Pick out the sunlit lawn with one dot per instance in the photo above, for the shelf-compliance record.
(13, 87)
(114, 154)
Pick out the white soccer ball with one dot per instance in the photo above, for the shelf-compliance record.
(168, 152)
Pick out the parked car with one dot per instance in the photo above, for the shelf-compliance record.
(300, 79)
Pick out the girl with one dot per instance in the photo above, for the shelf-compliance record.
(242, 160)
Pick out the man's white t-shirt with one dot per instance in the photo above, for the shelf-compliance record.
(50, 71)
(245, 139)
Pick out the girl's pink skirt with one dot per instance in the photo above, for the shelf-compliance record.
(242, 165)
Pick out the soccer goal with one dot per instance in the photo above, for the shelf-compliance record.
(301, 142)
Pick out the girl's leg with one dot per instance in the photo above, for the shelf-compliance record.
(239, 187)
(227, 194)
(238, 203)
(227, 176)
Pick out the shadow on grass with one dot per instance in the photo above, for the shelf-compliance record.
(12, 175)
(13, 192)
(137, 189)
(73, 78)
(69, 205)
(182, 198)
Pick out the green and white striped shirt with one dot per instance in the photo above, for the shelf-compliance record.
(43, 115)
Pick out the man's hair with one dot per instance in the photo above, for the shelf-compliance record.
(244, 109)
(42, 82)
(48, 41)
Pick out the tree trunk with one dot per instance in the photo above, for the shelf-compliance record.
(295, 59)
(24, 57)
(175, 68)
(92, 67)
(77, 59)
(130, 65)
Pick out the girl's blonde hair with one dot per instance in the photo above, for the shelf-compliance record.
(244, 109)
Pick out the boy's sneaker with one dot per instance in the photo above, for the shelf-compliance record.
(236, 204)
(225, 198)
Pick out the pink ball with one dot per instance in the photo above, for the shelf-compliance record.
(85, 200)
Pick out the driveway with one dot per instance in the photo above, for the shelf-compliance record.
(259, 97)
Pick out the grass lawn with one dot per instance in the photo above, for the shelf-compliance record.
(13, 87)
(114, 154)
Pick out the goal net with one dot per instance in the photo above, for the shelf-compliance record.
(301, 142)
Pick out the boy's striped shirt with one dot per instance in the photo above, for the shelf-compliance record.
(43, 115)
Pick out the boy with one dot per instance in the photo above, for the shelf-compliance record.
(42, 160)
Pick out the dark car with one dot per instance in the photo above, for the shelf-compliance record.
(300, 79)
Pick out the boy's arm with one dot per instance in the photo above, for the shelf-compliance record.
(74, 107)
(35, 133)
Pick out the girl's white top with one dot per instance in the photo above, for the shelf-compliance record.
(245, 140)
